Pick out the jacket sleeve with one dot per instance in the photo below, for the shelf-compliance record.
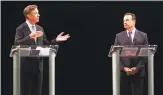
(143, 60)
(20, 39)
(116, 42)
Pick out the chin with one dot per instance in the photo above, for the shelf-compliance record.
(126, 27)
(37, 21)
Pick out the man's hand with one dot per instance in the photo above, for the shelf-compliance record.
(36, 34)
(62, 37)
(32, 35)
(127, 70)
(133, 70)
(130, 71)
(39, 33)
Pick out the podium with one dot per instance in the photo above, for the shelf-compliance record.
(117, 51)
(18, 51)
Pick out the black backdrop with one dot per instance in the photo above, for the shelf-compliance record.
(82, 63)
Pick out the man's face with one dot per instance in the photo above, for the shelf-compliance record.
(128, 22)
(34, 16)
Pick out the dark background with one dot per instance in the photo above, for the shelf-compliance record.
(82, 63)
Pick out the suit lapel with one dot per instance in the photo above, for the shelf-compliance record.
(126, 38)
(135, 36)
(28, 32)
(39, 39)
(27, 28)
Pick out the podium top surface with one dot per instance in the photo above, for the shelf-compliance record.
(33, 50)
(133, 50)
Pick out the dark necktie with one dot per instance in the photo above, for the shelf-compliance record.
(130, 38)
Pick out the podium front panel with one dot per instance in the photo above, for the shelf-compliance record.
(126, 51)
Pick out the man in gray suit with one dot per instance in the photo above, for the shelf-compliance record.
(132, 68)
(30, 33)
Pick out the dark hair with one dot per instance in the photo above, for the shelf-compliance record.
(132, 14)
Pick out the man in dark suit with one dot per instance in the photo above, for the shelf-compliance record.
(132, 68)
(29, 33)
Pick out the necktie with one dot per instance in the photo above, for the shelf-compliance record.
(130, 38)
(34, 30)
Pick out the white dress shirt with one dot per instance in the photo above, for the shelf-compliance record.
(132, 34)
(31, 28)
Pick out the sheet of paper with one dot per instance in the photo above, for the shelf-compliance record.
(43, 51)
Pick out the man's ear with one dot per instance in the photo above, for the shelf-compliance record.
(28, 16)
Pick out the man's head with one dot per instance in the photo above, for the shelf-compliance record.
(129, 20)
(31, 13)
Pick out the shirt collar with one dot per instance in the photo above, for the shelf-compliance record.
(133, 31)
(29, 24)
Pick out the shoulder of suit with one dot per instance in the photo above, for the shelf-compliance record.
(120, 33)
(141, 32)
(38, 26)
(22, 25)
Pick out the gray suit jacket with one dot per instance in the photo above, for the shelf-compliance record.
(22, 38)
(140, 38)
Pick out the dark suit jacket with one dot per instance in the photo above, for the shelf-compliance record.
(140, 38)
(22, 38)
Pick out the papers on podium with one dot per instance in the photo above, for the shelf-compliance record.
(43, 51)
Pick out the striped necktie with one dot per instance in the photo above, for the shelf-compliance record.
(34, 30)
